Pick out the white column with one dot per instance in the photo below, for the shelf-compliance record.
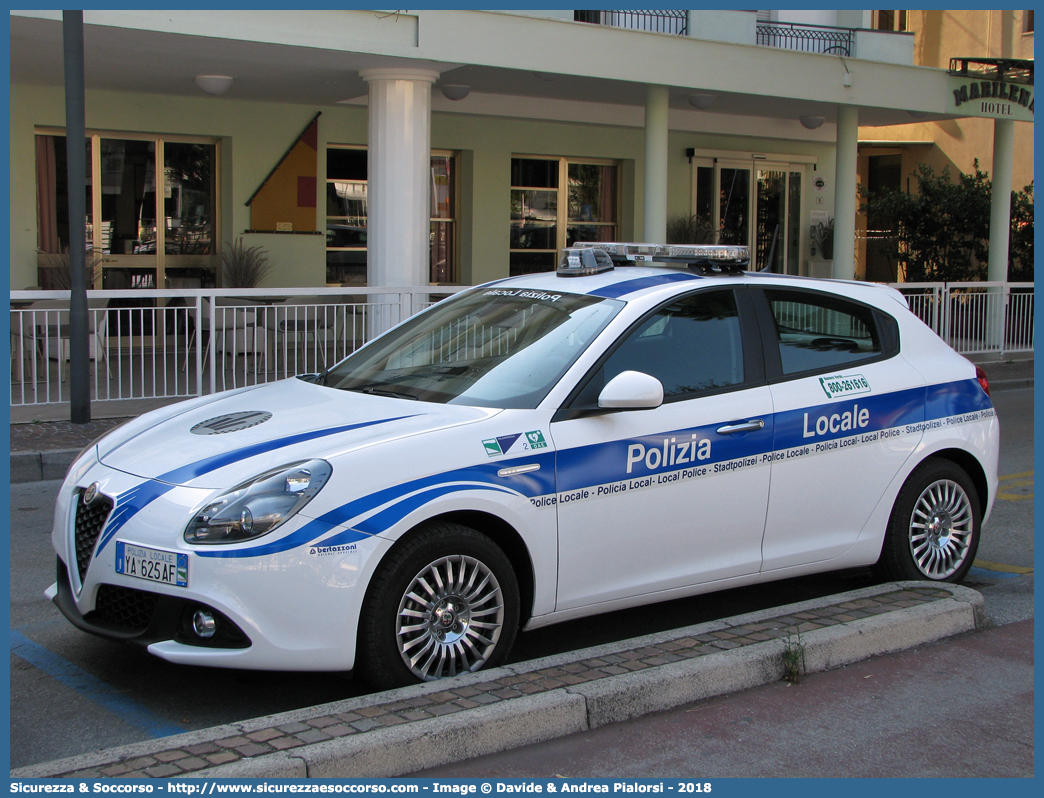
(845, 177)
(655, 164)
(1000, 201)
(1000, 226)
(398, 175)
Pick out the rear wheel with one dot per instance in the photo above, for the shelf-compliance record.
(443, 603)
(933, 533)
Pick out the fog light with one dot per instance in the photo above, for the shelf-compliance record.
(203, 624)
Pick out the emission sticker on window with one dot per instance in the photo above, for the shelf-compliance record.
(844, 385)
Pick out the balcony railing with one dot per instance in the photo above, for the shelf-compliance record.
(669, 21)
(806, 38)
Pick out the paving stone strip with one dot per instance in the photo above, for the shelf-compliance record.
(187, 758)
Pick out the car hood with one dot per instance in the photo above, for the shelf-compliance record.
(244, 433)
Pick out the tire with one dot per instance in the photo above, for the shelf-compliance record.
(933, 532)
(444, 602)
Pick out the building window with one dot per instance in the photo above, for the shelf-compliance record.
(151, 205)
(346, 216)
(1027, 21)
(556, 202)
(891, 20)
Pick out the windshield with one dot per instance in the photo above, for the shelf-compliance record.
(491, 347)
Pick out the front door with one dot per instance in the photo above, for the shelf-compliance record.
(658, 499)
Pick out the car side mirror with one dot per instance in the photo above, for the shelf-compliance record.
(631, 390)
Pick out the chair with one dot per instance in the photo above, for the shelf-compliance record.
(45, 330)
(234, 328)
(296, 320)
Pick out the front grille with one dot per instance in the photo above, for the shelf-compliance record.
(89, 523)
(125, 608)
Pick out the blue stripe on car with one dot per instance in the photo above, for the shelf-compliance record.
(639, 283)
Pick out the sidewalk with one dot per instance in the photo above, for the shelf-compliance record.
(44, 449)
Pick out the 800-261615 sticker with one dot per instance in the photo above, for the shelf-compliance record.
(844, 385)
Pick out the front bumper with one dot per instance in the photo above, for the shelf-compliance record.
(133, 615)
(295, 609)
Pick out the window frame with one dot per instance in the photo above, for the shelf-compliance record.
(887, 329)
(453, 219)
(562, 221)
(158, 262)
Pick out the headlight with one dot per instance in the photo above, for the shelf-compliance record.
(259, 505)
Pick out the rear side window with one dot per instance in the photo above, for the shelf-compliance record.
(820, 332)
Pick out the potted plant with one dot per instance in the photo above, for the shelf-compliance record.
(823, 236)
(690, 230)
(243, 266)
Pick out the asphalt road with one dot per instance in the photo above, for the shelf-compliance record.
(72, 693)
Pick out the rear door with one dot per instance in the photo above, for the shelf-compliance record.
(843, 400)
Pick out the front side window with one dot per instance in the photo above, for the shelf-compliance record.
(692, 346)
(491, 347)
(821, 332)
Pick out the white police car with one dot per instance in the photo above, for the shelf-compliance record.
(530, 451)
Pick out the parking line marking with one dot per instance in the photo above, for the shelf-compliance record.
(1024, 479)
(91, 688)
(996, 566)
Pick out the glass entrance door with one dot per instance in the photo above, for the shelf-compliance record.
(753, 203)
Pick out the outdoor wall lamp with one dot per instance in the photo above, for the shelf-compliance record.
(702, 101)
(214, 84)
(811, 122)
(455, 92)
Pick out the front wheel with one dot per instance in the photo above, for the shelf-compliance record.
(933, 533)
(443, 603)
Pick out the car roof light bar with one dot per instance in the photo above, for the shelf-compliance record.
(701, 258)
(578, 262)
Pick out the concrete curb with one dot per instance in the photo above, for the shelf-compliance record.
(39, 466)
(402, 749)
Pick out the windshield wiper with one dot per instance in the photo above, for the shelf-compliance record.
(384, 392)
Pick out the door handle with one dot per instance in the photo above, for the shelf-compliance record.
(743, 426)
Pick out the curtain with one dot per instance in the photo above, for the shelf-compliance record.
(46, 195)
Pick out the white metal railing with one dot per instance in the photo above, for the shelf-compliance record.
(975, 317)
(160, 344)
(181, 343)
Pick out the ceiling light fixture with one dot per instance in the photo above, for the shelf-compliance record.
(812, 122)
(702, 101)
(455, 92)
(214, 84)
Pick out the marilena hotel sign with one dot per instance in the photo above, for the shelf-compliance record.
(995, 99)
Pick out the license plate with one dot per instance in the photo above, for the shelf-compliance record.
(152, 565)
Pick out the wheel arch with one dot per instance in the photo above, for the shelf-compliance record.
(500, 532)
(970, 463)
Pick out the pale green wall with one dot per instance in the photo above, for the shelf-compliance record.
(256, 135)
